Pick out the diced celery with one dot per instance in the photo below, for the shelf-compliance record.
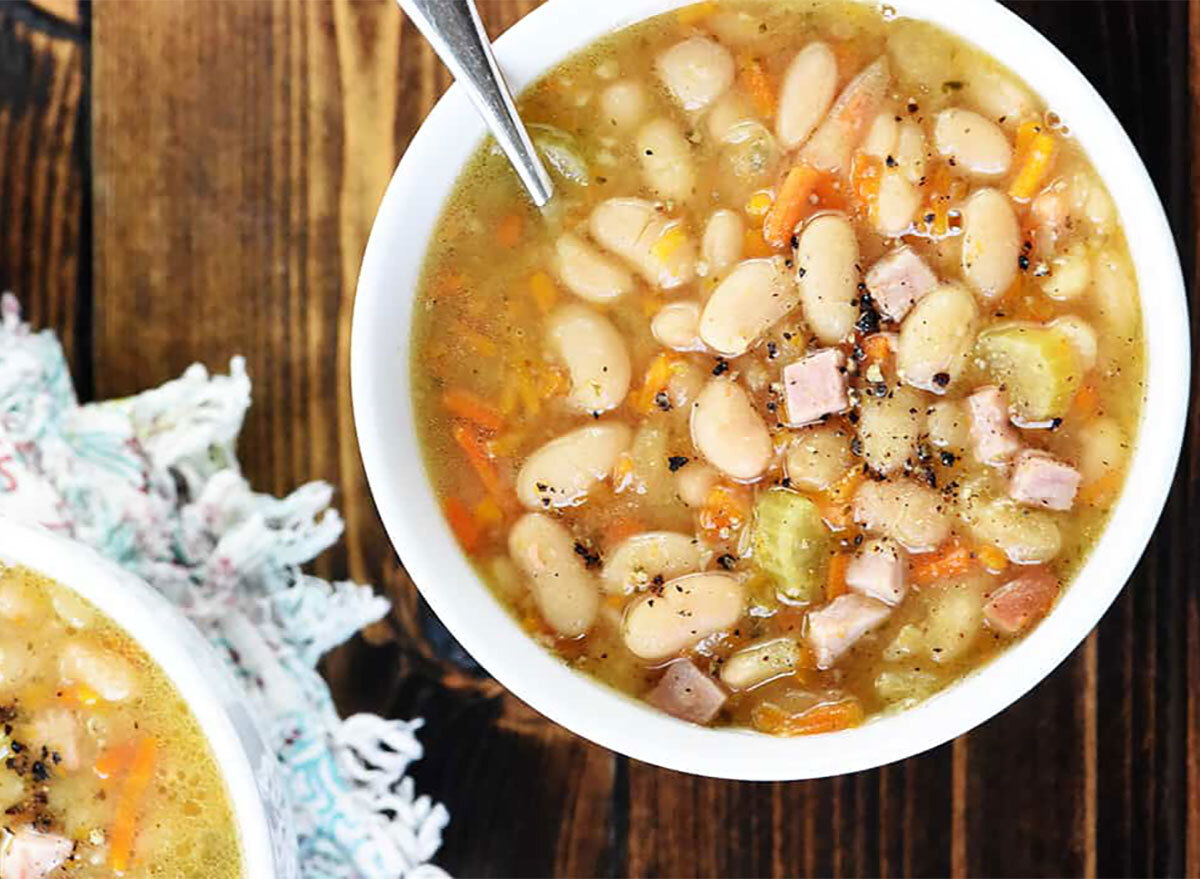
(1038, 366)
(791, 543)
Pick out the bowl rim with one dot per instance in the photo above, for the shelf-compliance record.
(178, 649)
(384, 419)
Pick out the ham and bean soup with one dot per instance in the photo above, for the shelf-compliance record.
(815, 384)
(103, 770)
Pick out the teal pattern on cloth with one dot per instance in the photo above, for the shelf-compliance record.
(152, 481)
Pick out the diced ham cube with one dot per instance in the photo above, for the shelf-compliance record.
(877, 571)
(1041, 480)
(29, 854)
(833, 629)
(1018, 602)
(898, 280)
(992, 436)
(815, 386)
(687, 693)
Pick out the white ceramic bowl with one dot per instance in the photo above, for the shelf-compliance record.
(249, 768)
(384, 416)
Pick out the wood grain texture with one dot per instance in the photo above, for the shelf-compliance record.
(238, 152)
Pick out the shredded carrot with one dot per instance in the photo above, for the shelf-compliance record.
(877, 348)
(463, 524)
(657, 376)
(124, 826)
(993, 558)
(790, 205)
(951, 560)
(866, 174)
(825, 718)
(753, 245)
(834, 503)
(508, 230)
(78, 694)
(487, 513)
(941, 190)
(1086, 403)
(478, 457)
(620, 528)
(545, 293)
(1035, 153)
(695, 13)
(757, 84)
(829, 193)
(1101, 491)
(464, 404)
(835, 582)
(114, 760)
(725, 509)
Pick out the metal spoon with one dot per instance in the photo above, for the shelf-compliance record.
(454, 30)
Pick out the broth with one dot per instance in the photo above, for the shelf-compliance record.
(853, 345)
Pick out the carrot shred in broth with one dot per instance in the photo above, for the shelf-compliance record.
(835, 582)
(757, 83)
(953, 559)
(826, 718)
(790, 205)
(468, 405)
(133, 790)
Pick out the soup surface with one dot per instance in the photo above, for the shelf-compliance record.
(814, 385)
(105, 771)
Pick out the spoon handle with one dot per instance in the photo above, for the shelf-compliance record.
(454, 30)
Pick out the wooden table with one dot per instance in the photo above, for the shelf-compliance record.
(186, 181)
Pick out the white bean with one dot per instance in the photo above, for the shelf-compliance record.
(688, 609)
(1070, 274)
(807, 90)
(17, 604)
(594, 354)
(723, 239)
(560, 473)
(913, 515)
(677, 326)
(694, 482)
(896, 204)
(889, 428)
(666, 159)
(760, 662)
(1027, 536)
(752, 299)
(1082, 336)
(639, 559)
(108, 674)
(16, 662)
(880, 140)
(948, 425)
(588, 273)
(1116, 294)
(830, 146)
(818, 457)
(728, 432)
(565, 592)
(910, 151)
(936, 337)
(974, 144)
(996, 93)
(623, 104)
(827, 260)
(635, 231)
(991, 243)
(1103, 449)
(727, 114)
(696, 71)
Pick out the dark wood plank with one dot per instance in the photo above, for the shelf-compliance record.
(42, 168)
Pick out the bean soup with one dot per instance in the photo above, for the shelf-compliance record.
(103, 770)
(814, 385)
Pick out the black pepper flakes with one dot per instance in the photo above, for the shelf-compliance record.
(662, 401)
(721, 368)
(727, 561)
(1023, 262)
(674, 462)
(591, 558)
(772, 350)
(948, 459)
(856, 446)
(941, 379)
